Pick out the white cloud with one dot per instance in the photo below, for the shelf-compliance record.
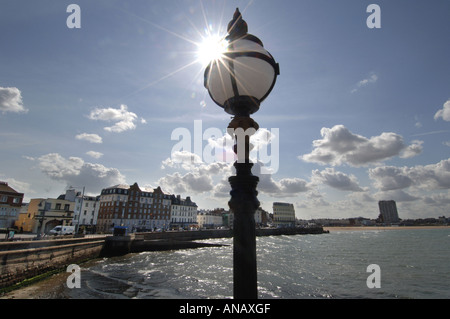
(340, 146)
(370, 79)
(222, 189)
(200, 178)
(439, 200)
(260, 141)
(57, 167)
(124, 120)
(285, 187)
(11, 100)
(358, 198)
(412, 150)
(397, 195)
(310, 205)
(428, 177)
(337, 180)
(189, 182)
(444, 112)
(433, 176)
(390, 178)
(92, 138)
(76, 172)
(94, 154)
(184, 159)
(262, 138)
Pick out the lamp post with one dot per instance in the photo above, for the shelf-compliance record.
(41, 220)
(239, 82)
(77, 227)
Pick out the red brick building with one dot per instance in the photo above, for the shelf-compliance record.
(135, 208)
(10, 205)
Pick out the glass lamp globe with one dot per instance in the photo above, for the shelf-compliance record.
(245, 74)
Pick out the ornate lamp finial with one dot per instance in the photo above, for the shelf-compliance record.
(237, 27)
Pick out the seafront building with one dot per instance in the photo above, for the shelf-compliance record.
(183, 212)
(10, 205)
(210, 218)
(43, 214)
(26, 221)
(283, 214)
(86, 212)
(143, 209)
(388, 212)
(132, 207)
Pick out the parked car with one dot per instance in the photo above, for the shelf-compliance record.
(62, 230)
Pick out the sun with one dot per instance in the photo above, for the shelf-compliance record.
(211, 48)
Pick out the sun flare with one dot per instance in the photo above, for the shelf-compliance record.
(211, 48)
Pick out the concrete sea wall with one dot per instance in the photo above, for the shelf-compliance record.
(23, 260)
(120, 245)
(227, 233)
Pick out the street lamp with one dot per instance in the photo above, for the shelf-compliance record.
(238, 82)
(77, 227)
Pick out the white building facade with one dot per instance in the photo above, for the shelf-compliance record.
(86, 212)
(183, 212)
(209, 219)
(283, 215)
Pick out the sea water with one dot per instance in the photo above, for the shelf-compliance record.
(413, 263)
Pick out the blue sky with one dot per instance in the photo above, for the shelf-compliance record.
(362, 114)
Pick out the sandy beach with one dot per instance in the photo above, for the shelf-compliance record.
(356, 228)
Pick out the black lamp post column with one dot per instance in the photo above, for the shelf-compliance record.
(244, 203)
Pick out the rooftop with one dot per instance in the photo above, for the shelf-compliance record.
(7, 189)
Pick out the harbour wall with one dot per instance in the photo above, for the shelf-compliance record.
(20, 261)
(135, 243)
(227, 233)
